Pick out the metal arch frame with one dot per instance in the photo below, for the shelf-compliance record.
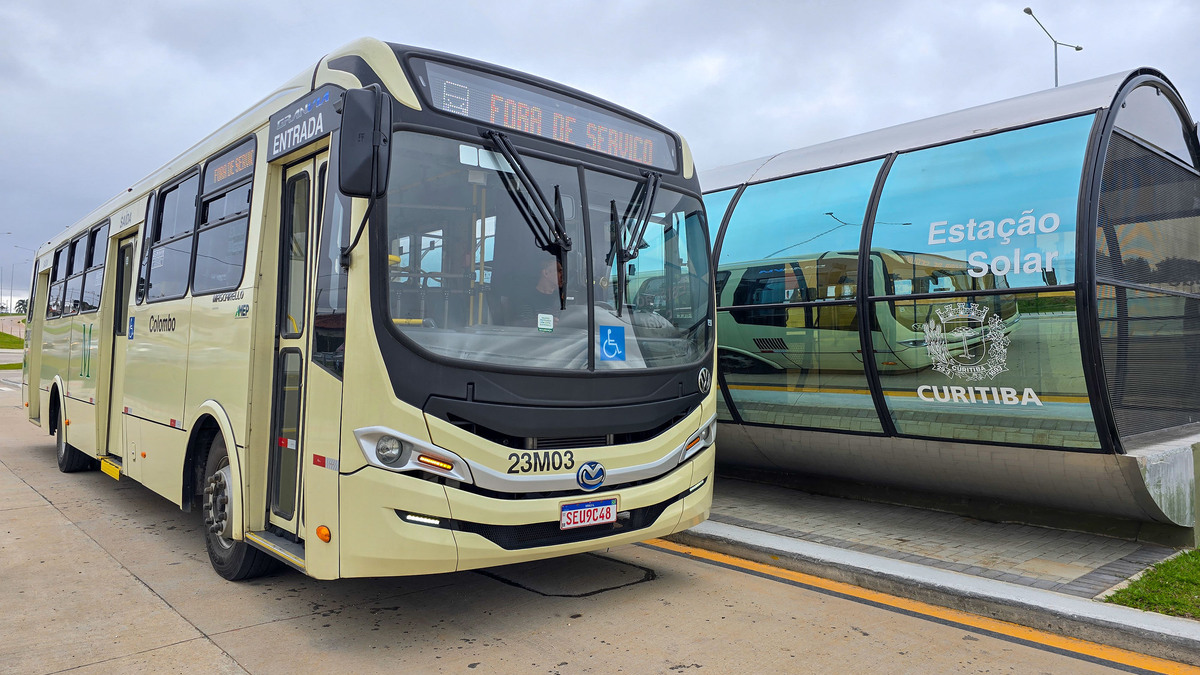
(863, 300)
(1087, 301)
(718, 242)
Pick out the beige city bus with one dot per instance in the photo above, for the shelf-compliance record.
(381, 324)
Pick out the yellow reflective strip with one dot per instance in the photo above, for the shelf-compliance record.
(276, 550)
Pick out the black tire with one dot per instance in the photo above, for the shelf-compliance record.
(70, 460)
(233, 560)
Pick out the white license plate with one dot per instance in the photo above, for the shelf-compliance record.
(583, 514)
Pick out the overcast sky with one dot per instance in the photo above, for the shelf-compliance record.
(100, 94)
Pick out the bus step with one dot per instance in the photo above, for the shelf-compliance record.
(111, 466)
(288, 551)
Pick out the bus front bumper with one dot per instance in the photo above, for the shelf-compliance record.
(395, 524)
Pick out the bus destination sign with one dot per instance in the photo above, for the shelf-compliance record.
(233, 165)
(544, 113)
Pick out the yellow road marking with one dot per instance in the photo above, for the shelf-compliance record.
(1091, 649)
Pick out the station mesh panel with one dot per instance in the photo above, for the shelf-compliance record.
(1148, 231)
(1148, 236)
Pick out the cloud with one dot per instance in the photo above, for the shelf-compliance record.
(104, 93)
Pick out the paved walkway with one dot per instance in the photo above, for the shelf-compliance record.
(1074, 563)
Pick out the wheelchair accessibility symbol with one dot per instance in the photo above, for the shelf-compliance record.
(612, 343)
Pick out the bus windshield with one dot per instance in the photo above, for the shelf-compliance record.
(467, 280)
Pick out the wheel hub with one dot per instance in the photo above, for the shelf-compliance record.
(216, 505)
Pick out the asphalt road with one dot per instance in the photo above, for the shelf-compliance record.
(105, 576)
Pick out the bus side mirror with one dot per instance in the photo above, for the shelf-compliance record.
(364, 149)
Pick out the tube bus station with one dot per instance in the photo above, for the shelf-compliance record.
(998, 307)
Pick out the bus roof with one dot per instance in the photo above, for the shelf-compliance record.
(247, 122)
(382, 59)
(1066, 101)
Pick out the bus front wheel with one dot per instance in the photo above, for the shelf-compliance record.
(233, 560)
(70, 460)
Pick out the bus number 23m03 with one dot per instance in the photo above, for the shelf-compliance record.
(535, 462)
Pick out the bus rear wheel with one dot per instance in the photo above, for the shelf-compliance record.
(233, 560)
(70, 460)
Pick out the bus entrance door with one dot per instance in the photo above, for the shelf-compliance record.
(286, 473)
(126, 271)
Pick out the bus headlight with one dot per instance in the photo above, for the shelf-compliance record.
(389, 449)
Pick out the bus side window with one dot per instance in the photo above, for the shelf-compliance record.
(224, 223)
(169, 253)
(93, 277)
(329, 322)
(54, 301)
(77, 251)
(32, 295)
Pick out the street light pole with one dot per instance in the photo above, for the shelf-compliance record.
(1057, 44)
(12, 290)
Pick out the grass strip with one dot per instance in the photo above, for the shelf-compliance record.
(1170, 587)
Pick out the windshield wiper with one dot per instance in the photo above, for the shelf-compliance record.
(628, 236)
(644, 208)
(545, 220)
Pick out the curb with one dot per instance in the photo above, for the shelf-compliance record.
(1138, 631)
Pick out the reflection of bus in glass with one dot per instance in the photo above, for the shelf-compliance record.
(374, 327)
(781, 312)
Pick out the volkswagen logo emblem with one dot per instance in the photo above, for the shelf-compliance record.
(704, 380)
(590, 476)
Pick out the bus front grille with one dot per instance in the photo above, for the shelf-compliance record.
(535, 535)
(569, 443)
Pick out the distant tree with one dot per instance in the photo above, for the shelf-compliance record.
(1178, 271)
(22, 306)
(1136, 269)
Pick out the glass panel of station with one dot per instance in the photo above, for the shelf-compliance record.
(1003, 369)
(715, 205)
(787, 282)
(1148, 268)
(958, 226)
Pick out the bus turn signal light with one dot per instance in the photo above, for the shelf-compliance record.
(323, 534)
(435, 462)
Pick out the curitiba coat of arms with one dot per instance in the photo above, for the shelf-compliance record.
(963, 342)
